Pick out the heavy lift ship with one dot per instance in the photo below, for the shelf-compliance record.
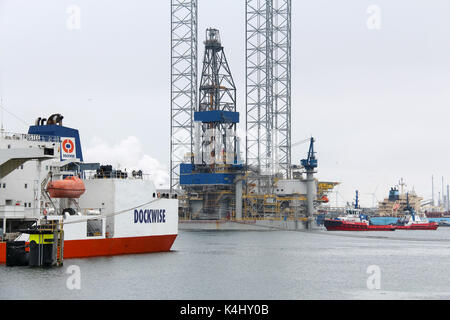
(51, 197)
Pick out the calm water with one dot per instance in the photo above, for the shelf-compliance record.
(255, 265)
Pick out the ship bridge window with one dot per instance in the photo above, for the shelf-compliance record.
(94, 227)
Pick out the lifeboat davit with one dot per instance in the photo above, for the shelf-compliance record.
(70, 187)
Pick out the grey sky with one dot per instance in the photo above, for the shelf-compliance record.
(377, 101)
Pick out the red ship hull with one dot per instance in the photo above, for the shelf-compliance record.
(419, 226)
(110, 246)
(339, 225)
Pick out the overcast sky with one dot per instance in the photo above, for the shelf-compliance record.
(376, 100)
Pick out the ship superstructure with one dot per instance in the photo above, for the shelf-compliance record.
(102, 211)
(397, 202)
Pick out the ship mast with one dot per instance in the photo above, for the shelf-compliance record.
(1, 116)
(402, 184)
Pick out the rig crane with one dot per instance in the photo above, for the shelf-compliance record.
(310, 164)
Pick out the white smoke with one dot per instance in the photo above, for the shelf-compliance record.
(127, 154)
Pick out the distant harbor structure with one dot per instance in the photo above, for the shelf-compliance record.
(396, 203)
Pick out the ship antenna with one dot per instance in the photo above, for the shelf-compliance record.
(1, 116)
(2, 108)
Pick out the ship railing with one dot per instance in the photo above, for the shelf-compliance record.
(115, 175)
(28, 137)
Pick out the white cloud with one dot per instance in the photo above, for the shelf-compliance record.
(127, 154)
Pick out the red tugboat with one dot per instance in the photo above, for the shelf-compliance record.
(354, 220)
(414, 222)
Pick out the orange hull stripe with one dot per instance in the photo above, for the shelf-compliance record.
(110, 246)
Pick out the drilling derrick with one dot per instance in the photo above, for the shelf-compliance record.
(209, 180)
(217, 107)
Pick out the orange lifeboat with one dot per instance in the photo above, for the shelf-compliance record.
(70, 187)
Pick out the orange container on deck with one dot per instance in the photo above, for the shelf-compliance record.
(70, 187)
